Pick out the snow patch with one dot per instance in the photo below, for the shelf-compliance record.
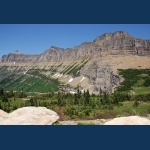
(65, 76)
(82, 91)
(72, 92)
(82, 79)
(27, 71)
(55, 74)
(61, 75)
(70, 80)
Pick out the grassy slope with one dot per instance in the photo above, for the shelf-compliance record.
(33, 81)
(134, 80)
(141, 90)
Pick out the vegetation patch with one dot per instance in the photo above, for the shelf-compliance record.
(137, 80)
(32, 81)
(74, 69)
(35, 89)
(80, 105)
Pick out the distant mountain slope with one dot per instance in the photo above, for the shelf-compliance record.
(119, 42)
(19, 57)
(91, 65)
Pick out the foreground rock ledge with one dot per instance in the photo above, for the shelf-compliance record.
(3, 113)
(131, 120)
(30, 116)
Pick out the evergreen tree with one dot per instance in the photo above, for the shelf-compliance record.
(87, 97)
(84, 94)
(100, 96)
(116, 98)
(59, 99)
(1, 91)
(106, 98)
(79, 93)
(4, 98)
(136, 103)
(75, 99)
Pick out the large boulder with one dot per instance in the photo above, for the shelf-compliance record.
(2, 113)
(131, 120)
(30, 116)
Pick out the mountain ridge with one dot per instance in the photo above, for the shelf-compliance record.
(119, 42)
(91, 65)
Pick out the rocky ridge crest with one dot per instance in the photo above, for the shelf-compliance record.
(119, 42)
(116, 43)
(100, 74)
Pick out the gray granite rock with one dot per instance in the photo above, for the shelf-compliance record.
(131, 120)
(30, 116)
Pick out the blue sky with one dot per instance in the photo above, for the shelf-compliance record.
(36, 38)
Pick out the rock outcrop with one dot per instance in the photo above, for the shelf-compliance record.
(29, 116)
(119, 42)
(98, 72)
(131, 120)
(101, 77)
(19, 57)
(2, 113)
(116, 43)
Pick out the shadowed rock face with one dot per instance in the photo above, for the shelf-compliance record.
(29, 116)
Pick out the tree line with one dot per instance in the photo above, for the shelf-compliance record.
(80, 104)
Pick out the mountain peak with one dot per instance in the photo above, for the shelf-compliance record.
(16, 52)
(121, 33)
(109, 35)
(55, 48)
(119, 42)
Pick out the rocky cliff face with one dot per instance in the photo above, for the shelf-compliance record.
(101, 77)
(19, 57)
(99, 74)
(55, 53)
(119, 42)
